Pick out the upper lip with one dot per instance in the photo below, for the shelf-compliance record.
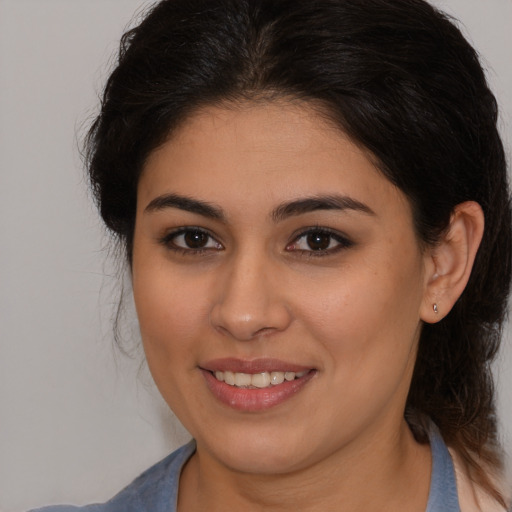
(234, 365)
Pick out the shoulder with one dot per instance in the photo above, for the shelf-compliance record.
(472, 497)
(153, 491)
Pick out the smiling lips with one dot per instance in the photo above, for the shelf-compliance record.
(254, 385)
(257, 380)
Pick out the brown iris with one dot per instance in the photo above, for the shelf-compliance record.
(195, 239)
(318, 241)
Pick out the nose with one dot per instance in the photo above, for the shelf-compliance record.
(250, 301)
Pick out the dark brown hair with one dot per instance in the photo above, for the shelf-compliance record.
(400, 79)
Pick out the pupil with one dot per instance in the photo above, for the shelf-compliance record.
(318, 241)
(195, 239)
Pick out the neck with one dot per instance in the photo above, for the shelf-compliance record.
(374, 473)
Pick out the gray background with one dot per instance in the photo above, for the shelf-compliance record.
(77, 419)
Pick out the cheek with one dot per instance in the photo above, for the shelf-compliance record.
(171, 312)
(367, 316)
(170, 316)
(368, 331)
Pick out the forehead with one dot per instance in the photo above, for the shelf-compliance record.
(261, 154)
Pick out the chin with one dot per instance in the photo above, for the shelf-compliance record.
(261, 451)
(262, 461)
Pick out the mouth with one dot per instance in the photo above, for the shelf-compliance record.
(253, 386)
(257, 380)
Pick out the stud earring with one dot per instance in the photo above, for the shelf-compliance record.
(436, 310)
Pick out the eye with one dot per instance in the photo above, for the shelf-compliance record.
(191, 240)
(320, 241)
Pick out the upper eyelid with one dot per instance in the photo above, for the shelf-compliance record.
(342, 239)
(168, 235)
(319, 229)
(183, 229)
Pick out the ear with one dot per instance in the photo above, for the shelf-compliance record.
(449, 262)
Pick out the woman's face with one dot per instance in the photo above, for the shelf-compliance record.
(278, 283)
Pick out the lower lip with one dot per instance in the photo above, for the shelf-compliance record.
(253, 400)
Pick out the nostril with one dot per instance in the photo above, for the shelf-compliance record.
(247, 327)
(264, 331)
(243, 332)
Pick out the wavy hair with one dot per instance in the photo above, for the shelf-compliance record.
(400, 79)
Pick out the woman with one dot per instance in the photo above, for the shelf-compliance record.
(313, 202)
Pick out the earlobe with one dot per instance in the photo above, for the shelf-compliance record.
(451, 261)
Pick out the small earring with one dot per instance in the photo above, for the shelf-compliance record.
(436, 310)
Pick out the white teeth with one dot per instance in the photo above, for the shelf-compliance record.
(242, 380)
(257, 380)
(260, 380)
(276, 378)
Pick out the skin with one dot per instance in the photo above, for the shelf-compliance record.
(353, 312)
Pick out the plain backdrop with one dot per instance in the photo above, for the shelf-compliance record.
(78, 420)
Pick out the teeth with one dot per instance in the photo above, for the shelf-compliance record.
(242, 380)
(260, 380)
(289, 376)
(257, 380)
(276, 378)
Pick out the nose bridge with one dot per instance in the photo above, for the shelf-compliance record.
(249, 301)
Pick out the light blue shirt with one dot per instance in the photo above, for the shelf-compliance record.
(156, 490)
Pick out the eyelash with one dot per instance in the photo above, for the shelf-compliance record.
(168, 241)
(342, 242)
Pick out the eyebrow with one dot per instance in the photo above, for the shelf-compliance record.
(282, 212)
(185, 203)
(315, 203)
